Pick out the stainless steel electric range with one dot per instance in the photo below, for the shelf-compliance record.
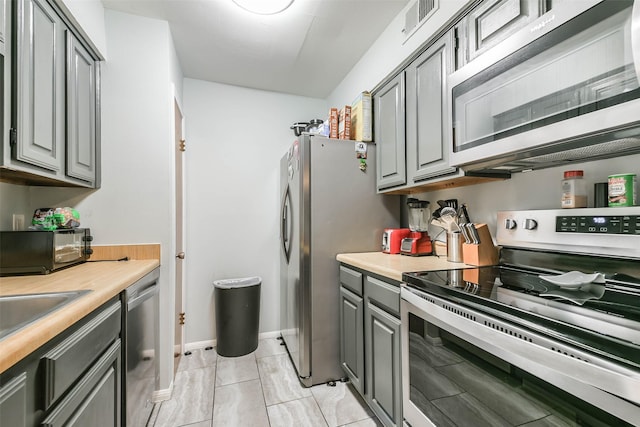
(550, 336)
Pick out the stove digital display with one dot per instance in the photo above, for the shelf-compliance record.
(623, 224)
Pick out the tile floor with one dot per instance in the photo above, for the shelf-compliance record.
(259, 389)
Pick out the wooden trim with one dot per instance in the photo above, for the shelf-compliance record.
(116, 252)
(458, 181)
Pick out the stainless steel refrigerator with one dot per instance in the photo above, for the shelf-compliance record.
(328, 206)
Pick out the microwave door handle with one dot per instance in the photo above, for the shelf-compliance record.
(635, 36)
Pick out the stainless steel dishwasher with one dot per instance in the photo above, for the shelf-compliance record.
(140, 320)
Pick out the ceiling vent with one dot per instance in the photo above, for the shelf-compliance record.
(417, 15)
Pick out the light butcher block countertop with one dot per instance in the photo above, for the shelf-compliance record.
(392, 266)
(104, 279)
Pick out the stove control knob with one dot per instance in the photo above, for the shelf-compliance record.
(530, 224)
(510, 224)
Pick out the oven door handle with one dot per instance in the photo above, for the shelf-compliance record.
(602, 384)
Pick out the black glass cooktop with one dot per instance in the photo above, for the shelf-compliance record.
(508, 285)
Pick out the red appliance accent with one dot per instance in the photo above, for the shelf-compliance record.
(418, 243)
(392, 239)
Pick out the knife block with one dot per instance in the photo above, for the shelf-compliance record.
(484, 253)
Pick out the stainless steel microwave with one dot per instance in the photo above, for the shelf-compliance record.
(564, 88)
(41, 252)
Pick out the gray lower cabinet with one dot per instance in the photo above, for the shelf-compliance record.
(370, 341)
(13, 401)
(382, 349)
(54, 118)
(352, 337)
(73, 380)
(95, 399)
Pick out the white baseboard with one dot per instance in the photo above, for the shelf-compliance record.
(148, 353)
(162, 395)
(196, 345)
(199, 344)
(267, 335)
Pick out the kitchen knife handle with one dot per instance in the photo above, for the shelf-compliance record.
(474, 233)
(465, 213)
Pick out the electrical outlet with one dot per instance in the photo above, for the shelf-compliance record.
(18, 222)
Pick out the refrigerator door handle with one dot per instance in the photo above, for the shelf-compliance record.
(286, 224)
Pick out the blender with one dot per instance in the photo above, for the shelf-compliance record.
(418, 242)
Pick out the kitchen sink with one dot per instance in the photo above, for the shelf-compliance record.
(18, 311)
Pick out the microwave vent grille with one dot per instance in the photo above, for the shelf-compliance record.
(531, 161)
(590, 151)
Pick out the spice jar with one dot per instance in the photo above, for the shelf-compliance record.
(574, 190)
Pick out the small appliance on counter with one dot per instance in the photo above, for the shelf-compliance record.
(418, 242)
(392, 239)
(42, 251)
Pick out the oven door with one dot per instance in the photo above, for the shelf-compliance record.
(462, 368)
(568, 80)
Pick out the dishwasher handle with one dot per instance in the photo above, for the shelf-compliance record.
(141, 296)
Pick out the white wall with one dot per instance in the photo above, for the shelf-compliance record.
(389, 51)
(235, 139)
(134, 204)
(89, 17)
(13, 199)
(175, 71)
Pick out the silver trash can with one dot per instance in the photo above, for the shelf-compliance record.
(237, 305)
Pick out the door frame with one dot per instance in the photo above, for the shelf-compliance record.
(179, 241)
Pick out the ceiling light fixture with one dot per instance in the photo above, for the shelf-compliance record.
(264, 7)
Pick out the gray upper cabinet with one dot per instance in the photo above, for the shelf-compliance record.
(389, 135)
(492, 22)
(5, 79)
(412, 123)
(427, 119)
(40, 84)
(55, 109)
(81, 111)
